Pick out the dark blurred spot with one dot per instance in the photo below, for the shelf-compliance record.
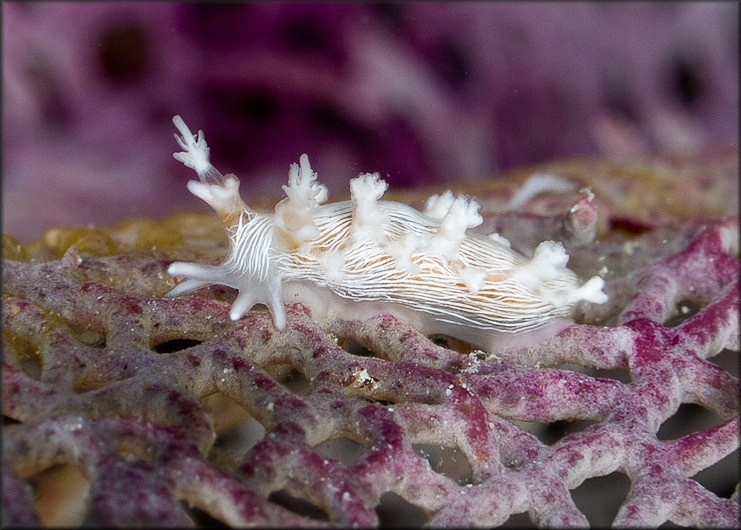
(399, 148)
(303, 34)
(619, 102)
(44, 83)
(366, 144)
(685, 80)
(123, 52)
(391, 14)
(24, 8)
(175, 345)
(257, 107)
(329, 120)
(451, 64)
(317, 34)
(218, 23)
(244, 121)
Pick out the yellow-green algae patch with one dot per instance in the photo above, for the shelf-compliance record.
(655, 191)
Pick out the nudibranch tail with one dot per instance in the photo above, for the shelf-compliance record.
(368, 256)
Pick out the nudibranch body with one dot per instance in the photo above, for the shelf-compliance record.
(367, 256)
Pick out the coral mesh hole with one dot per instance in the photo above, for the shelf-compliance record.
(394, 512)
(297, 505)
(175, 345)
(344, 450)
(447, 461)
(61, 493)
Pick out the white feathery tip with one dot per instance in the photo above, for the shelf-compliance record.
(473, 278)
(401, 250)
(591, 291)
(439, 205)
(494, 236)
(462, 214)
(303, 188)
(547, 263)
(294, 215)
(365, 190)
(221, 197)
(195, 153)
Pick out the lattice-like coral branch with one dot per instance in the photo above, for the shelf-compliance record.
(104, 374)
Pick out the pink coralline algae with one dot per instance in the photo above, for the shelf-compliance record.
(124, 407)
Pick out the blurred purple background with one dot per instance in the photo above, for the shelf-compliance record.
(424, 93)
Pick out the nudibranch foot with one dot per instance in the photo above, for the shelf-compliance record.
(251, 290)
(368, 256)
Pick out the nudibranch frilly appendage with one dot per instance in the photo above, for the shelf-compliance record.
(365, 257)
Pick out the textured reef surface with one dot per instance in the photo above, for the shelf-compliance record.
(125, 408)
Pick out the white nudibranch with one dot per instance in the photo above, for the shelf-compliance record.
(364, 257)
